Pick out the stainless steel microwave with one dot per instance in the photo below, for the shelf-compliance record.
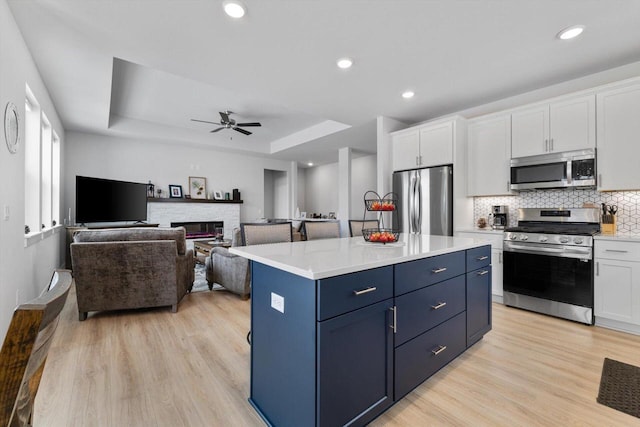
(554, 170)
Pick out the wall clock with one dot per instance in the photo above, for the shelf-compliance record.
(11, 127)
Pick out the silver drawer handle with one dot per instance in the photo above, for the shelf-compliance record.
(439, 270)
(483, 272)
(482, 258)
(440, 305)
(365, 291)
(440, 349)
(616, 250)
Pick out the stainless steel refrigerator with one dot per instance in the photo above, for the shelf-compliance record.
(425, 201)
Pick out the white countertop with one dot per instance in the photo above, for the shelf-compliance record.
(620, 236)
(318, 259)
(487, 230)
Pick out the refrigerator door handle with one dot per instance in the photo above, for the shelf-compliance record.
(412, 192)
(418, 204)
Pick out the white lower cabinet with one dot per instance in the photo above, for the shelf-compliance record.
(617, 284)
(495, 238)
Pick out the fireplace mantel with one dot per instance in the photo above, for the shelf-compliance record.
(165, 211)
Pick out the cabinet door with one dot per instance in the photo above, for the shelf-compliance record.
(496, 272)
(478, 304)
(573, 124)
(355, 366)
(489, 149)
(617, 290)
(436, 145)
(530, 132)
(405, 149)
(618, 130)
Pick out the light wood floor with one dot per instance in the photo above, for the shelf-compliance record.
(191, 368)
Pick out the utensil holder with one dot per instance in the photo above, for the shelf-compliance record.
(610, 226)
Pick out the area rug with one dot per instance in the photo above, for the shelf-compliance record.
(620, 387)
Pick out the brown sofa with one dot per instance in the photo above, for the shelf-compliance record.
(125, 268)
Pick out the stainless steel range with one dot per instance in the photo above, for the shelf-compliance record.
(548, 262)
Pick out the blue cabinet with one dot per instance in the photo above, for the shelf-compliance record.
(355, 366)
(341, 350)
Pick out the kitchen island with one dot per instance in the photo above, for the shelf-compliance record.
(342, 328)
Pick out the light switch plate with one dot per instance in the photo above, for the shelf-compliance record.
(277, 302)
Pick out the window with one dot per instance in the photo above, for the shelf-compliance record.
(42, 169)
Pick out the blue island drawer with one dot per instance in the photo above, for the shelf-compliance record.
(478, 257)
(423, 356)
(341, 294)
(413, 275)
(421, 310)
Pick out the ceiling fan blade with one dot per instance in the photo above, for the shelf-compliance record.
(225, 116)
(246, 132)
(249, 124)
(204, 121)
(216, 130)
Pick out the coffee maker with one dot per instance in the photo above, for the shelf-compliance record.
(500, 216)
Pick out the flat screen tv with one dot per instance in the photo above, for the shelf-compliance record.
(106, 200)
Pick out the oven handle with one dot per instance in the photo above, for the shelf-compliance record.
(510, 247)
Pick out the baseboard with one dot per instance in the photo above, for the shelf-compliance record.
(618, 326)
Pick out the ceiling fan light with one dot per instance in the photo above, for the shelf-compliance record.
(344, 63)
(570, 32)
(234, 9)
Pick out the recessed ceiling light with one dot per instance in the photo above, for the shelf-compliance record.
(571, 32)
(408, 94)
(310, 164)
(345, 63)
(234, 9)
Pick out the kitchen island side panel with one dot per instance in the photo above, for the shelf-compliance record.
(283, 342)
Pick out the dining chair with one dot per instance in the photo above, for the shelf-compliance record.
(24, 352)
(356, 226)
(262, 233)
(322, 230)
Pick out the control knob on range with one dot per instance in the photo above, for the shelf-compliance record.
(524, 237)
(564, 239)
(513, 237)
(578, 240)
(543, 239)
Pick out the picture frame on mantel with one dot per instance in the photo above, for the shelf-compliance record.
(175, 191)
(198, 187)
(218, 195)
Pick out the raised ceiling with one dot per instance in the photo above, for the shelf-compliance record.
(144, 68)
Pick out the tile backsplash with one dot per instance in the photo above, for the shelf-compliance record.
(628, 203)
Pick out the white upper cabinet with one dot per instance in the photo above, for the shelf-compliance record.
(423, 146)
(564, 125)
(436, 145)
(406, 150)
(489, 153)
(619, 138)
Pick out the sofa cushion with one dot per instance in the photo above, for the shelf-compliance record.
(134, 234)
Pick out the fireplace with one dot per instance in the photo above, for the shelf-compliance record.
(200, 229)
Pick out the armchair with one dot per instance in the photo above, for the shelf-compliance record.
(232, 271)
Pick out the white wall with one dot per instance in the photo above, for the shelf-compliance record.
(280, 195)
(164, 164)
(363, 178)
(24, 272)
(321, 188)
(268, 194)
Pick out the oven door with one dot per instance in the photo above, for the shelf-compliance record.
(563, 274)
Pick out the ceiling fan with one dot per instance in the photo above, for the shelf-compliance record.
(228, 123)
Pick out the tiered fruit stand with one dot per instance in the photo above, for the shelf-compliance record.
(374, 203)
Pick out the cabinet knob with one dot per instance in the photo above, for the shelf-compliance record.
(439, 270)
(483, 272)
(439, 305)
(482, 258)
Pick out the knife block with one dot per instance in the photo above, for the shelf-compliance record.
(609, 227)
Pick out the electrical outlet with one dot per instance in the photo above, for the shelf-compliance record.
(6, 212)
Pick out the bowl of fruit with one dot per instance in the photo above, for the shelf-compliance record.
(380, 204)
(380, 235)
